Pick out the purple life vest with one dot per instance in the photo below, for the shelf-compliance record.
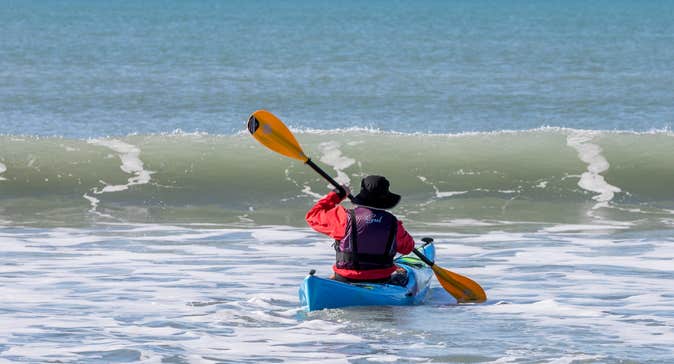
(369, 242)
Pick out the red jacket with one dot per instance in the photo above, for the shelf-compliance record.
(329, 217)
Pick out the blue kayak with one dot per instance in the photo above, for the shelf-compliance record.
(318, 293)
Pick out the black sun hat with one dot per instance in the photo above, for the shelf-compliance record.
(374, 193)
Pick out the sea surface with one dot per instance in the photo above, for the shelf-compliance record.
(140, 222)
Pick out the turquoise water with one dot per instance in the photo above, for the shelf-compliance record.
(82, 69)
(140, 222)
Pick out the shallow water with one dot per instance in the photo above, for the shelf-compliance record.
(159, 293)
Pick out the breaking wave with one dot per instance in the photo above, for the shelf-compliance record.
(549, 174)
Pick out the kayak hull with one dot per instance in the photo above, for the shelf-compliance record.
(318, 293)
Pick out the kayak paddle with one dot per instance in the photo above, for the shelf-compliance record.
(270, 131)
(462, 288)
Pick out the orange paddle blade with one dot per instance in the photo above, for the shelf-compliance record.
(462, 288)
(267, 129)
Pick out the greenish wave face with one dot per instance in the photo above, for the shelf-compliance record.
(544, 176)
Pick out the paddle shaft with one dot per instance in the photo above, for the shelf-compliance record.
(423, 257)
(326, 176)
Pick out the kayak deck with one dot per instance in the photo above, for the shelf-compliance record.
(318, 293)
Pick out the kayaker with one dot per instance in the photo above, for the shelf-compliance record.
(367, 237)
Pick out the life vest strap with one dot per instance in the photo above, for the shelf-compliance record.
(354, 240)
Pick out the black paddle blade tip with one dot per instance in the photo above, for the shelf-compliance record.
(253, 124)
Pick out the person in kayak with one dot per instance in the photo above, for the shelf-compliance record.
(367, 237)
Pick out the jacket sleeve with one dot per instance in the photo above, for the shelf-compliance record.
(328, 217)
(404, 241)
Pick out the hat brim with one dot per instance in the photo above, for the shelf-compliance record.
(385, 202)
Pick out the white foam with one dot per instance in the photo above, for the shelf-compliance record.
(592, 180)
(586, 227)
(462, 222)
(93, 202)
(3, 169)
(546, 308)
(438, 193)
(452, 250)
(235, 293)
(131, 164)
(461, 172)
(69, 148)
(305, 189)
(332, 156)
(570, 359)
(279, 234)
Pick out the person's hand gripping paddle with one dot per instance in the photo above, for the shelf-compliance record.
(270, 131)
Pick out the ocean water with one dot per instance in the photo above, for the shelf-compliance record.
(140, 222)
